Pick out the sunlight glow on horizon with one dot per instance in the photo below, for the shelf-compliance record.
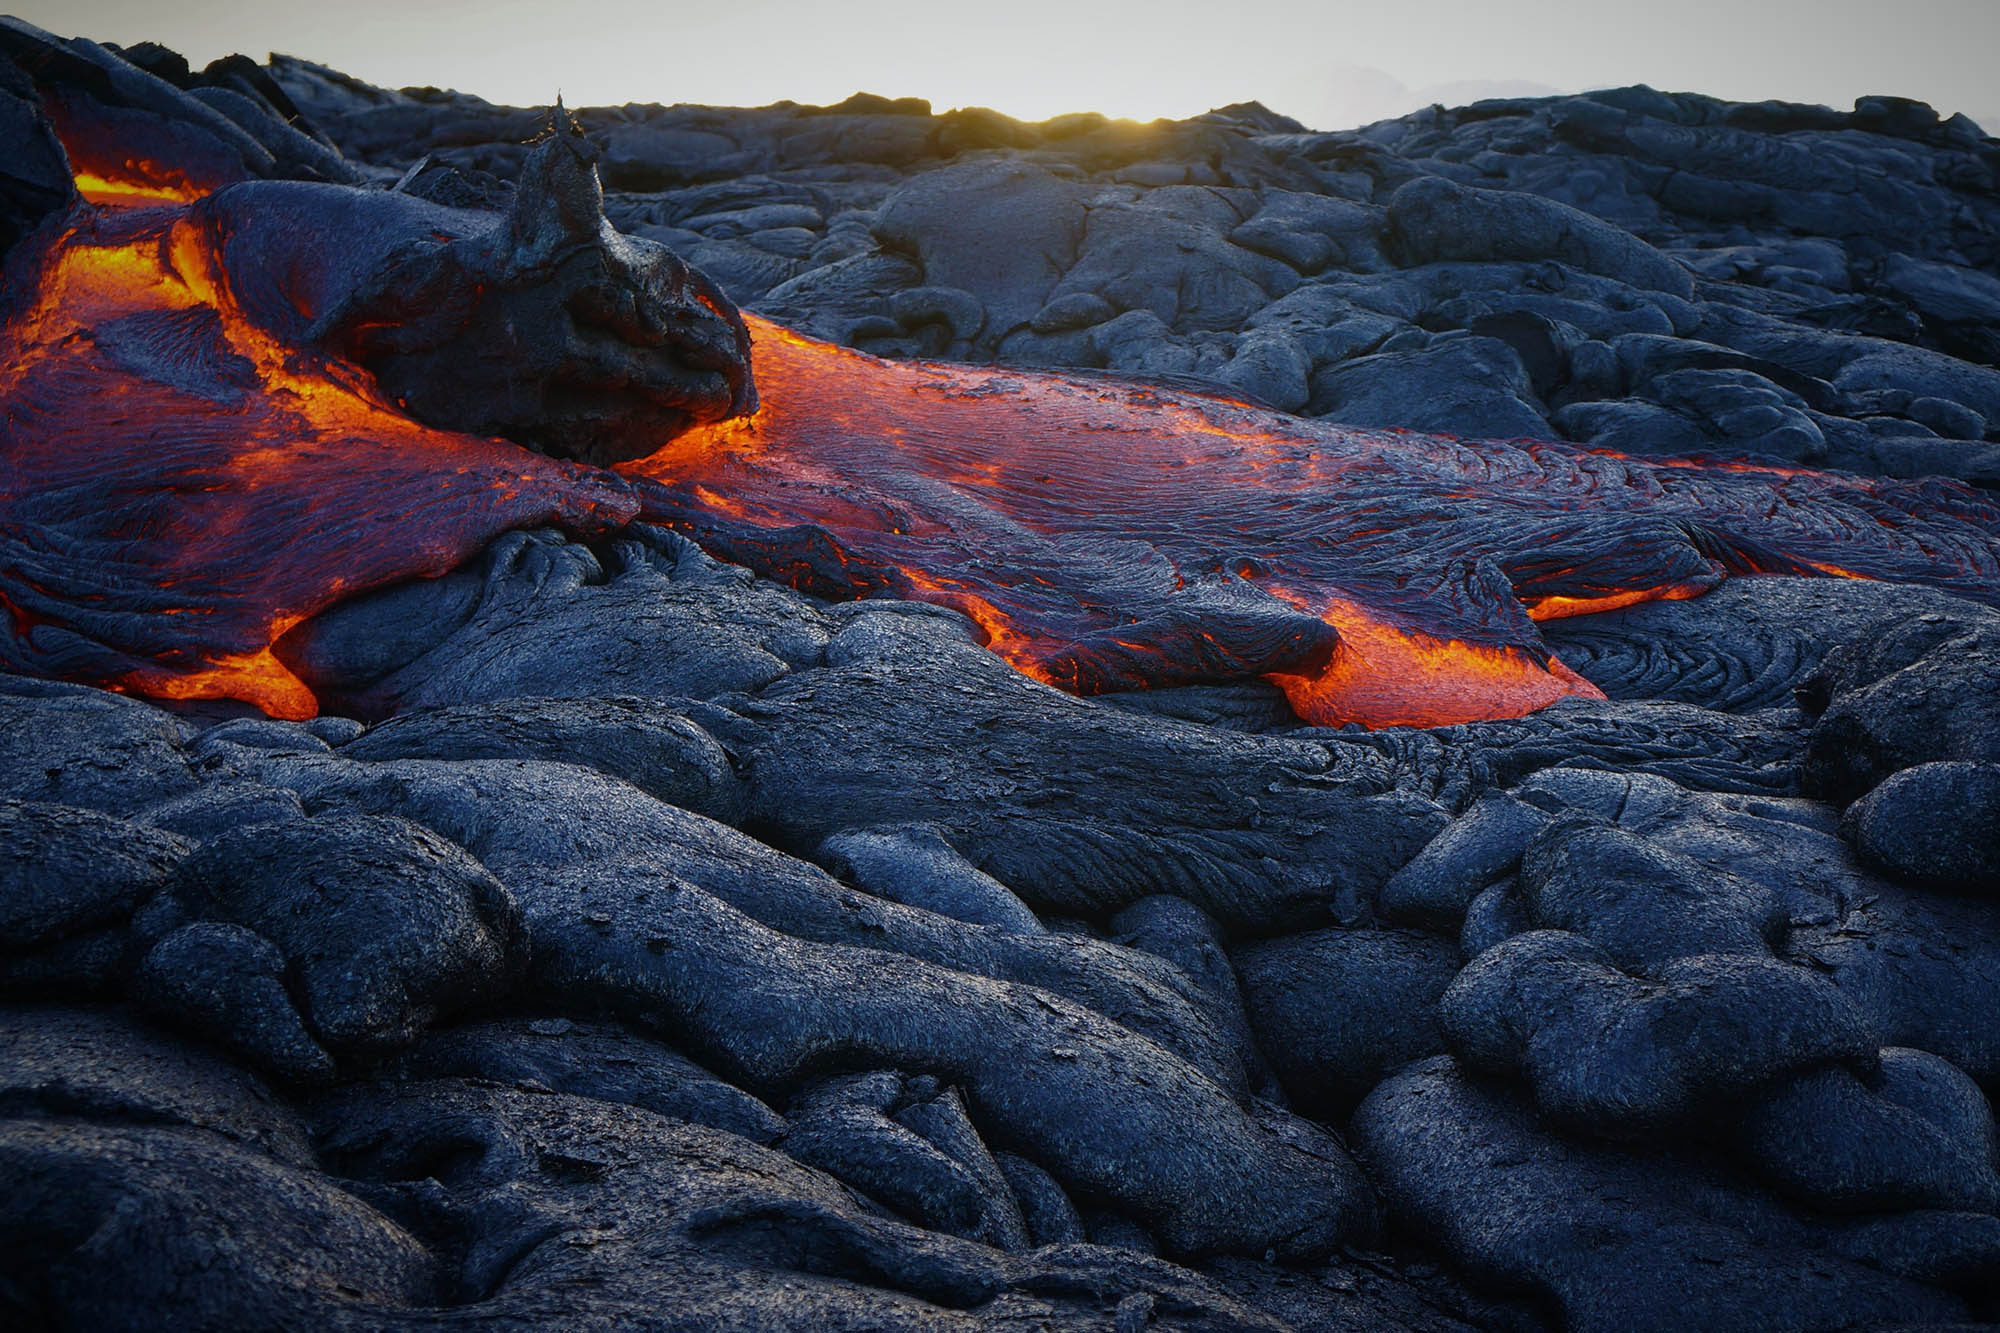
(1328, 63)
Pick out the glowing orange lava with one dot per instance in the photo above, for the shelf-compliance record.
(1105, 535)
(212, 486)
(179, 486)
(138, 186)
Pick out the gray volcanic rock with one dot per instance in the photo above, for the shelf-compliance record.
(911, 720)
(1934, 824)
(601, 1061)
(914, 864)
(554, 831)
(1025, 227)
(1742, 647)
(1806, 284)
(1483, 845)
(1918, 1135)
(672, 947)
(920, 1155)
(229, 122)
(74, 746)
(1338, 1010)
(544, 617)
(38, 182)
(1641, 1240)
(1685, 747)
(651, 743)
(1924, 967)
(98, 1063)
(1918, 691)
(226, 982)
(547, 327)
(1105, 1112)
(64, 870)
(382, 925)
(1626, 1056)
(1458, 386)
(554, 1207)
(1642, 904)
(1432, 219)
(199, 1232)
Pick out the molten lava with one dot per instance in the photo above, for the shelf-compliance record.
(179, 485)
(1111, 536)
(178, 489)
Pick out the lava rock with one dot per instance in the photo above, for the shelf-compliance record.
(1029, 223)
(1918, 1135)
(1923, 967)
(1933, 824)
(544, 326)
(653, 744)
(1624, 1056)
(69, 745)
(1642, 1240)
(1431, 219)
(1046, 1211)
(916, 866)
(548, 1206)
(99, 1063)
(227, 983)
(1742, 647)
(657, 619)
(1175, 929)
(592, 834)
(599, 1060)
(909, 1145)
(199, 1232)
(911, 721)
(1922, 690)
(383, 925)
(1471, 386)
(1642, 904)
(1479, 847)
(64, 871)
(1106, 1112)
(222, 805)
(39, 183)
(1336, 1010)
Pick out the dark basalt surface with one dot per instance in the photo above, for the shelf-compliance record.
(639, 943)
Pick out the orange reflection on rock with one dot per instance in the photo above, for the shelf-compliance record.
(1561, 608)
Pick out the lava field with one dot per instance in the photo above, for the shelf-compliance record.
(851, 718)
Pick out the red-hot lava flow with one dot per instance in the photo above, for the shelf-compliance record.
(1112, 536)
(178, 487)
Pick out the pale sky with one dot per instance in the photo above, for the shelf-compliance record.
(1330, 63)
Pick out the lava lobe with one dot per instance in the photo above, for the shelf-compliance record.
(1110, 536)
